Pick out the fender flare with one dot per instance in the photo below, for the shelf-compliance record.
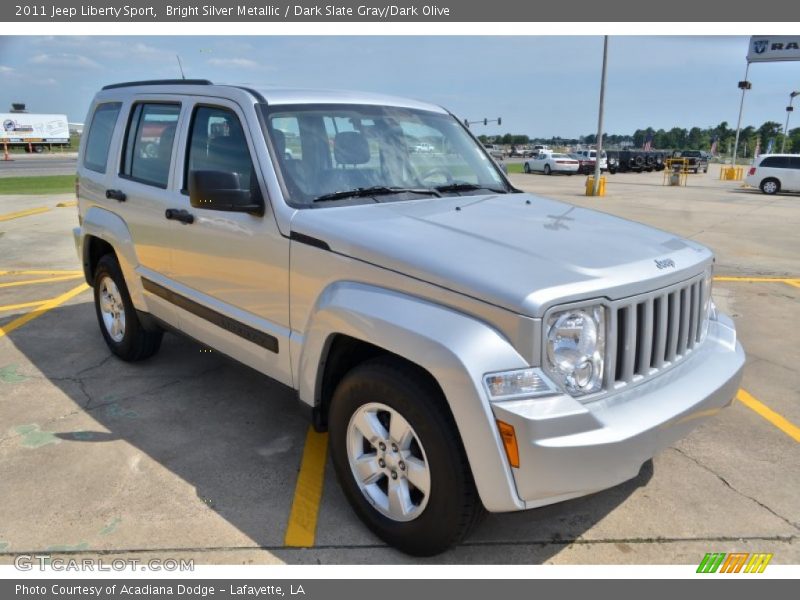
(111, 228)
(456, 349)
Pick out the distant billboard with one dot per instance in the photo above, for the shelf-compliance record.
(772, 48)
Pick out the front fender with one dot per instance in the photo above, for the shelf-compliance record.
(109, 227)
(457, 350)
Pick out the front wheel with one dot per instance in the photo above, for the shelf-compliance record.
(399, 459)
(547, 170)
(124, 333)
(526, 168)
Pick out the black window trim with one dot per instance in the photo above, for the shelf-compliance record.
(134, 105)
(97, 108)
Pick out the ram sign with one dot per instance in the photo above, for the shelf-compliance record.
(773, 48)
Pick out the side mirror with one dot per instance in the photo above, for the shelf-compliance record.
(222, 190)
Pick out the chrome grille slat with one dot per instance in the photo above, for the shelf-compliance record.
(695, 290)
(661, 333)
(653, 331)
(646, 345)
(683, 327)
(674, 317)
(629, 353)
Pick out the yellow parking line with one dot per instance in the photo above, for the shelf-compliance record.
(66, 204)
(302, 526)
(49, 305)
(39, 272)
(794, 282)
(781, 422)
(6, 284)
(22, 305)
(24, 213)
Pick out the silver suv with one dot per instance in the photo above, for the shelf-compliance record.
(468, 346)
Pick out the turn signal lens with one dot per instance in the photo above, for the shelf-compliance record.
(509, 443)
(518, 384)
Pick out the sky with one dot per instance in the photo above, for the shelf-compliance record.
(543, 86)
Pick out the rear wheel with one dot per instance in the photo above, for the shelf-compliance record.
(526, 168)
(399, 459)
(547, 170)
(770, 186)
(124, 333)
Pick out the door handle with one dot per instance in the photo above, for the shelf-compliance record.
(184, 216)
(118, 195)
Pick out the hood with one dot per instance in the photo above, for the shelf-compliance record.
(516, 251)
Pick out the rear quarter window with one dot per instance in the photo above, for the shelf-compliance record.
(98, 141)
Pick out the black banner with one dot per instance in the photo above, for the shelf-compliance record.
(386, 589)
(149, 11)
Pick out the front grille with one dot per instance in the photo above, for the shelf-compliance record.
(653, 331)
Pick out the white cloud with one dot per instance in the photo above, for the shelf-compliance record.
(5, 70)
(242, 63)
(64, 60)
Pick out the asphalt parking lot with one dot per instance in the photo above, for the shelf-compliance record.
(189, 455)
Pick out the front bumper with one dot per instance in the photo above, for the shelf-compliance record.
(570, 449)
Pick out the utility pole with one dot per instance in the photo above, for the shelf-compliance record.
(599, 152)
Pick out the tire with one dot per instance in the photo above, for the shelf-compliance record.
(123, 332)
(38, 149)
(526, 168)
(770, 186)
(547, 170)
(378, 393)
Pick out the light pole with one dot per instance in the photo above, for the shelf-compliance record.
(599, 151)
(789, 110)
(744, 86)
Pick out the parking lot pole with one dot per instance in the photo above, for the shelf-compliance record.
(789, 110)
(744, 86)
(599, 150)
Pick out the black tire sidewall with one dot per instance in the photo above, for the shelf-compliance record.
(108, 266)
(437, 528)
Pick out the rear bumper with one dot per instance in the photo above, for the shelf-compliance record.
(569, 449)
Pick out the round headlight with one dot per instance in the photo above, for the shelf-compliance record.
(576, 349)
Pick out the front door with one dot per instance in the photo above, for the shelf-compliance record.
(230, 269)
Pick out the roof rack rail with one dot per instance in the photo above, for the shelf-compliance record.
(125, 84)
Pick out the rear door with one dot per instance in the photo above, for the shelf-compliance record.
(142, 190)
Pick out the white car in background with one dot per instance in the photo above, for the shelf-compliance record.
(551, 162)
(772, 173)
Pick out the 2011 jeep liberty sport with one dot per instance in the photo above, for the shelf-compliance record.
(468, 346)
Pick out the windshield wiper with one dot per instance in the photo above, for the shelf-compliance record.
(378, 190)
(467, 187)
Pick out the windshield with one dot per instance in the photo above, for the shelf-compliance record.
(325, 151)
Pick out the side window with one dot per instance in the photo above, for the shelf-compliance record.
(100, 132)
(149, 141)
(794, 162)
(217, 143)
(776, 162)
